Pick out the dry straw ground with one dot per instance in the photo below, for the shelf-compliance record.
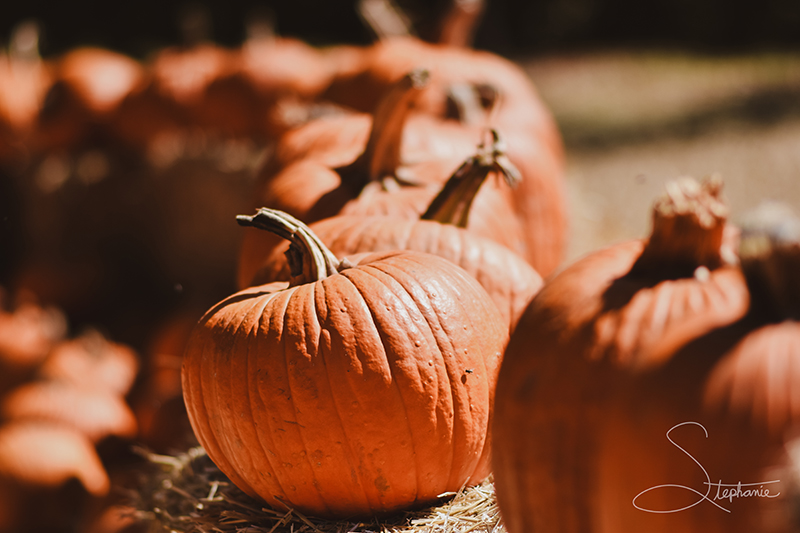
(186, 493)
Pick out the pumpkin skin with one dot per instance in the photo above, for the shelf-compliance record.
(622, 354)
(365, 392)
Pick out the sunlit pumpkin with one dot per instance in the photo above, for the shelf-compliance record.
(361, 387)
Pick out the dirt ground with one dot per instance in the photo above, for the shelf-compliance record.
(632, 121)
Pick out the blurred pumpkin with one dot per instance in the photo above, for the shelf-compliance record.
(412, 342)
(88, 85)
(37, 463)
(647, 380)
(24, 80)
(158, 401)
(96, 413)
(27, 334)
(91, 361)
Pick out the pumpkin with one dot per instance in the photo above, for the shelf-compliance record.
(27, 334)
(319, 168)
(24, 81)
(648, 379)
(158, 401)
(37, 460)
(88, 85)
(441, 230)
(95, 412)
(510, 98)
(363, 386)
(92, 362)
(482, 89)
(490, 218)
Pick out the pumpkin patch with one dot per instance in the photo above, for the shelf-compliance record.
(402, 334)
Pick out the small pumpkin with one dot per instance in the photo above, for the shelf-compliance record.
(158, 401)
(24, 80)
(95, 412)
(647, 378)
(27, 335)
(88, 85)
(37, 460)
(360, 388)
(92, 362)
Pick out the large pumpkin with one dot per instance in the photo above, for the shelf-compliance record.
(647, 381)
(362, 387)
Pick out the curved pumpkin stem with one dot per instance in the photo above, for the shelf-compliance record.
(688, 226)
(381, 157)
(309, 259)
(452, 204)
(769, 253)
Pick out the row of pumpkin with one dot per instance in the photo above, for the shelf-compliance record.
(366, 122)
(363, 384)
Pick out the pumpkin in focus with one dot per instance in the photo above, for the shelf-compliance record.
(362, 387)
(608, 363)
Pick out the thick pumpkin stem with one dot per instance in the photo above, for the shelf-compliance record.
(308, 258)
(769, 252)
(381, 157)
(453, 203)
(688, 225)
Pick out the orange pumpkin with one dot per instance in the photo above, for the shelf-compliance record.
(509, 95)
(37, 461)
(92, 362)
(647, 380)
(317, 169)
(361, 387)
(88, 85)
(95, 412)
(27, 334)
(24, 80)
(442, 230)
(491, 218)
